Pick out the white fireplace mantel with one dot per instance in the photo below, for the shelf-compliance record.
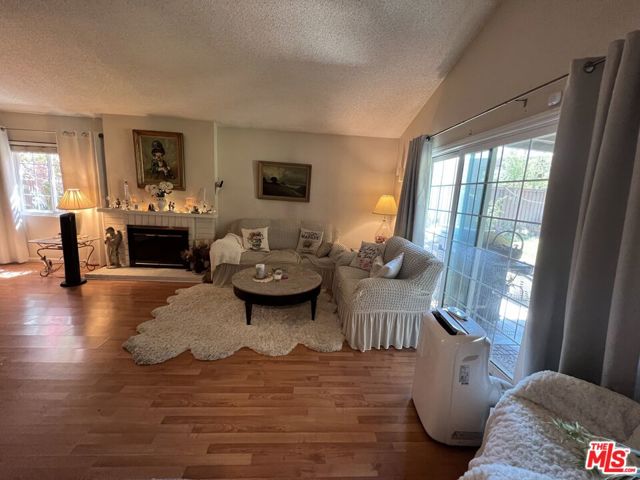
(201, 226)
(119, 211)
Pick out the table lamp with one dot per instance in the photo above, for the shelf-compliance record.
(387, 207)
(73, 199)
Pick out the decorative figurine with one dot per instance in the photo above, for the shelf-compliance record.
(113, 241)
(195, 209)
(151, 208)
(118, 203)
(172, 206)
(108, 199)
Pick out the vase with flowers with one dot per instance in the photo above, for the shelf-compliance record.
(159, 192)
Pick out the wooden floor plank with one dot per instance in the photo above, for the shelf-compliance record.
(74, 406)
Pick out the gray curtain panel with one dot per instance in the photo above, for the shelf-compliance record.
(412, 205)
(584, 314)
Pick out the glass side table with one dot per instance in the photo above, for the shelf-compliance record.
(53, 262)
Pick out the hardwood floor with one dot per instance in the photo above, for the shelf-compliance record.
(74, 406)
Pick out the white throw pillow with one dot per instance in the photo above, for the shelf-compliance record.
(309, 241)
(256, 239)
(391, 269)
(366, 255)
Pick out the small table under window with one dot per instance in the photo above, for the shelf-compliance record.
(54, 244)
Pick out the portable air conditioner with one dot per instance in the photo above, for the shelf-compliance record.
(452, 389)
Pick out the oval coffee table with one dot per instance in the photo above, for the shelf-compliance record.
(302, 286)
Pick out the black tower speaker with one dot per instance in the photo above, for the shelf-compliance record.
(69, 236)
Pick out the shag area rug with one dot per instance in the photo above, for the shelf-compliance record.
(210, 321)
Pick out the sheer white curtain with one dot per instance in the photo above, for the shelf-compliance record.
(13, 236)
(79, 170)
(584, 315)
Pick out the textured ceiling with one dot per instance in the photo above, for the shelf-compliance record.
(331, 66)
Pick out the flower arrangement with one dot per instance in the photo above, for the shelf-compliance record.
(160, 190)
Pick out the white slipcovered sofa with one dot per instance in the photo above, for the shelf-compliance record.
(521, 441)
(283, 238)
(380, 312)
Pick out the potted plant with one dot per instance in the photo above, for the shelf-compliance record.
(196, 258)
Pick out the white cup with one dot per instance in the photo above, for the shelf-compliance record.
(277, 274)
(261, 270)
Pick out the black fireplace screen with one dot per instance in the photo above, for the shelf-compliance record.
(156, 246)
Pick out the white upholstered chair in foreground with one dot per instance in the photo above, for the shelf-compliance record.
(380, 312)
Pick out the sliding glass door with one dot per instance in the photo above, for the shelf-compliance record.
(483, 221)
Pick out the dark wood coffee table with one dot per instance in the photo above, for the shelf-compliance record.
(303, 285)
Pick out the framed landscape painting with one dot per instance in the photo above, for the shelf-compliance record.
(159, 158)
(284, 181)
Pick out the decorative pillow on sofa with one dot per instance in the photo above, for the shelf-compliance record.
(366, 255)
(256, 239)
(391, 269)
(309, 241)
(324, 249)
(376, 266)
(341, 254)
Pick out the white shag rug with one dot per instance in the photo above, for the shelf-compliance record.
(210, 321)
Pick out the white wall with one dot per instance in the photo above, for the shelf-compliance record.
(525, 43)
(120, 158)
(42, 226)
(348, 176)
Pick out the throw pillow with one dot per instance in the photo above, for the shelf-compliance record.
(309, 241)
(324, 249)
(391, 269)
(377, 264)
(256, 239)
(366, 255)
(341, 255)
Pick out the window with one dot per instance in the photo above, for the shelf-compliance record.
(483, 218)
(40, 178)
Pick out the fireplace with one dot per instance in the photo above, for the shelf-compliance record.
(153, 246)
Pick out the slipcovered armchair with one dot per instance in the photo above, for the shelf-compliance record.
(380, 312)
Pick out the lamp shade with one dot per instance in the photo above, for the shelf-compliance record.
(74, 199)
(386, 206)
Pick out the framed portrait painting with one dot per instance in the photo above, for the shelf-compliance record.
(284, 181)
(159, 158)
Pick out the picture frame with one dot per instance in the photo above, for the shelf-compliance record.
(290, 182)
(159, 157)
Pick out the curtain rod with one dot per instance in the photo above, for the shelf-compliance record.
(28, 130)
(588, 67)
